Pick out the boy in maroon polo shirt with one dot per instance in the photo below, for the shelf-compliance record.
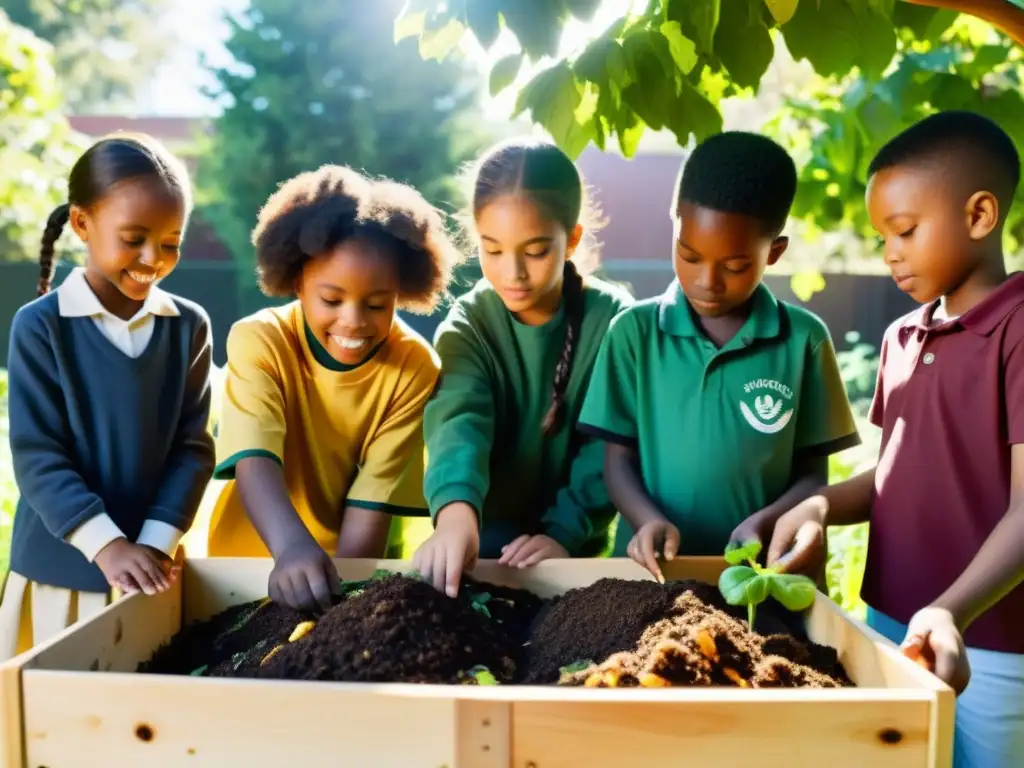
(946, 500)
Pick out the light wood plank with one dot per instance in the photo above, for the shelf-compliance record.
(80, 719)
(833, 734)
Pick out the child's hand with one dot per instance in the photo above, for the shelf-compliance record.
(132, 567)
(798, 542)
(304, 577)
(451, 549)
(529, 550)
(657, 536)
(934, 642)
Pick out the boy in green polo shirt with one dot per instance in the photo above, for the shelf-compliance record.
(719, 405)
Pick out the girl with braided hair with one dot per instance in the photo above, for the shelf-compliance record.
(321, 434)
(507, 475)
(109, 398)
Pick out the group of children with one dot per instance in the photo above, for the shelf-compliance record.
(550, 404)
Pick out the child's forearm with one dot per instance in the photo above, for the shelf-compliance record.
(626, 488)
(265, 497)
(998, 568)
(848, 502)
(364, 533)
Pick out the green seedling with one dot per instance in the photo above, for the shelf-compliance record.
(199, 672)
(357, 586)
(482, 675)
(479, 603)
(576, 666)
(748, 583)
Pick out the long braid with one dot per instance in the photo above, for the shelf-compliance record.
(54, 227)
(572, 295)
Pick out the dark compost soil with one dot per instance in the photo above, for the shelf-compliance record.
(613, 633)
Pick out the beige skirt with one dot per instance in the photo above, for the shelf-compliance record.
(32, 613)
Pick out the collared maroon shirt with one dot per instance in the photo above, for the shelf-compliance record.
(950, 402)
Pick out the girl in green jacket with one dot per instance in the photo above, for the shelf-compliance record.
(507, 475)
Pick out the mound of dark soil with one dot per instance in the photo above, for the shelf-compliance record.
(698, 645)
(610, 616)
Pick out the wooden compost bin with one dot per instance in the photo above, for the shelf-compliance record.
(76, 702)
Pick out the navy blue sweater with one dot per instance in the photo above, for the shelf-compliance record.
(93, 430)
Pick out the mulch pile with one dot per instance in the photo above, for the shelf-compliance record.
(614, 633)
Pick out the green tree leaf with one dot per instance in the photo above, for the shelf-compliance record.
(583, 9)
(537, 24)
(782, 10)
(743, 43)
(794, 592)
(552, 98)
(876, 42)
(504, 72)
(826, 34)
(691, 113)
(438, 43)
(700, 16)
(684, 52)
(925, 23)
(483, 19)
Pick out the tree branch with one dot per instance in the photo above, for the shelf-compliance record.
(999, 13)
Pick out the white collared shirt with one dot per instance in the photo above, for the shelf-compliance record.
(76, 299)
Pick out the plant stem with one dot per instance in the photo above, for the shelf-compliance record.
(751, 611)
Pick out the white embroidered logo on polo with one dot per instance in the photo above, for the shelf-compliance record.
(770, 412)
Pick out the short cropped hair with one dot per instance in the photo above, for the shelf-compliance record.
(970, 147)
(743, 173)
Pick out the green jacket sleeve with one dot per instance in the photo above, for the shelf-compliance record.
(458, 422)
(582, 509)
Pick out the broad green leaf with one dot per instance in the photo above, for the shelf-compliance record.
(705, 15)
(683, 51)
(602, 62)
(576, 666)
(199, 671)
(483, 19)
(409, 25)
(782, 10)
(877, 43)
(552, 98)
(826, 34)
(807, 283)
(740, 553)
(796, 593)
(438, 43)
(735, 583)
(504, 72)
(537, 24)
(692, 113)
(743, 43)
(926, 23)
(629, 136)
(582, 9)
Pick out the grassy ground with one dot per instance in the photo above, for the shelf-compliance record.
(847, 546)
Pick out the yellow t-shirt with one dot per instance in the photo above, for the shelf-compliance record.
(344, 436)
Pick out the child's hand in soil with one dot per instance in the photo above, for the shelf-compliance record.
(451, 549)
(529, 550)
(654, 537)
(132, 567)
(934, 642)
(798, 541)
(304, 577)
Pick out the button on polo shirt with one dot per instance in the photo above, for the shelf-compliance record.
(716, 429)
(950, 402)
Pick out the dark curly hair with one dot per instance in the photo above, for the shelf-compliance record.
(968, 147)
(740, 172)
(111, 160)
(313, 213)
(543, 174)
